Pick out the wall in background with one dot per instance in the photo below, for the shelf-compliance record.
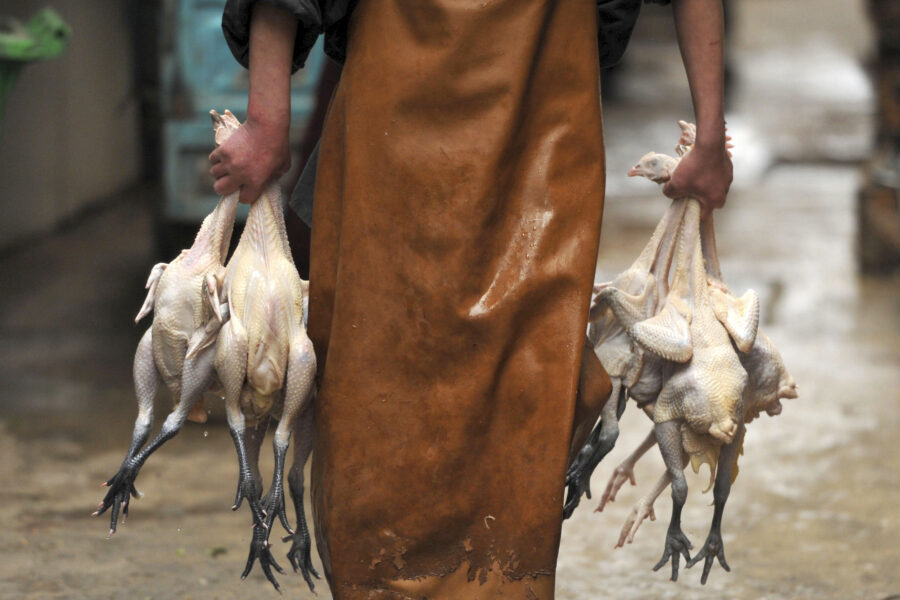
(69, 134)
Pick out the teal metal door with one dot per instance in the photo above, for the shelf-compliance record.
(199, 74)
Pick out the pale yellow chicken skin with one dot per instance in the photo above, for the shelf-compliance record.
(266, 366)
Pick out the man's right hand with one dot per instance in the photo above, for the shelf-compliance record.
(249, 159)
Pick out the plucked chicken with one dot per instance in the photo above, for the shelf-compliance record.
(266, 366)
(633, 292)
(714, 370)
(628, 365)
(181, 312)
(768, 383)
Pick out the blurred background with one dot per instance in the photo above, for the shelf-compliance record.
(104, 134)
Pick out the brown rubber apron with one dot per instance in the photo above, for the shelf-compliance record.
(458, 203)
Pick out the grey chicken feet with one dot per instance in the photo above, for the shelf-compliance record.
(122, 483)
(260, 549)
(677, 545)
(301, 543)
(299, 554)
(714, 548)
(121, 490)
(599, 444)
(121, 486)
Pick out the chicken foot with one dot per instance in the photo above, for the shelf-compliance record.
(725, 471)
(197, 374)
(642, 510)
(146, 384)
(714, 548)
(298, 390)
(600, 443)
(260, 549)
(625, 471)
(301, 544)
(249, 488)
(668, 435)
(644, 507)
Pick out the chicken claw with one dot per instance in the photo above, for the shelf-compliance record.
(641, 511)
(622, 474)
(677, 544)
(299, 556)
(713, 548)
(121, 489)
(261, 549)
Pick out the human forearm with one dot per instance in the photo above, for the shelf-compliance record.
(704, 173)
(258, 151)
(272, 32)
(701, 35)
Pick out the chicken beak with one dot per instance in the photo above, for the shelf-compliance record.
(789, 392)
(634, 171)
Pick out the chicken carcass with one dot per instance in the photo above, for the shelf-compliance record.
(266, 366)
(631, 370)
(687, 404)
(632, 297)
(703, 378)
(768, 383)
(706, 391)
(181, 314)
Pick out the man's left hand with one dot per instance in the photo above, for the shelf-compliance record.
(705, 173)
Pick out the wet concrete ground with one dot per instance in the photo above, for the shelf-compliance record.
(814, 513)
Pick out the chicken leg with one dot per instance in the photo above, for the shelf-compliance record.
(626, 363)
(197, 374)
(714, 547)
(301, 544)
(599, 444)
(677, 544)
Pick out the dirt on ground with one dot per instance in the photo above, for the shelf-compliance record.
(813, 515)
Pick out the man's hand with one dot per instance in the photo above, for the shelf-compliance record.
(705, 173)
(258, 152)
(253, 156)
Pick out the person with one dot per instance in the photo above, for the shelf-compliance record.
(458, 203)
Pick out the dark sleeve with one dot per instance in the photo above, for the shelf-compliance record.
(615, 22)
(310, 23)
